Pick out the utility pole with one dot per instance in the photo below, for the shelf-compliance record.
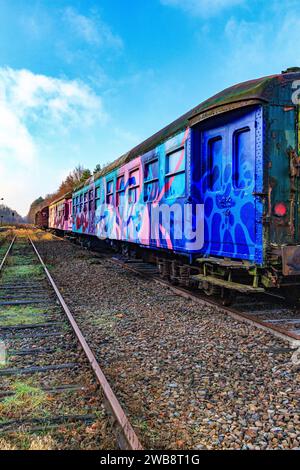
(1, 199)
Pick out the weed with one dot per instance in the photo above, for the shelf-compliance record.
(22, 271)
(27, 399)
(20, 315)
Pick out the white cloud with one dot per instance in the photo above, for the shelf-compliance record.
(15, 140)
(33, 109)
(92, 29)
(42, 98)
(248, 51)
(203, 8)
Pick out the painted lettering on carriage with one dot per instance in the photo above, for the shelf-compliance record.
(296, 93)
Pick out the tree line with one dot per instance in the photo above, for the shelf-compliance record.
(76, 177)
(9, 216)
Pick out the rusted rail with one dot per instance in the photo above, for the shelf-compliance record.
(7, 253)
(126, 436)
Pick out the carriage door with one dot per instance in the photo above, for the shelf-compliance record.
(228, 156)
(214, 160)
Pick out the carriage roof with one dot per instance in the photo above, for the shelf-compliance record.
(242, 94)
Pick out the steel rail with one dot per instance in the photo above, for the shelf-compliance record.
(7, 253)
(126, 436)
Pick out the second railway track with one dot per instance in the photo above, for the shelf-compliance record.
(268, 312)
(50, 380)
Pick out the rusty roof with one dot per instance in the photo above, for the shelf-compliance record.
(60, 199)
(260, 89)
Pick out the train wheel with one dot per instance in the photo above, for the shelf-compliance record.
(211, 289)
(227, 297)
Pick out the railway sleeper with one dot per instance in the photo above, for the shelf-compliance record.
(42, 423)
(37, 369)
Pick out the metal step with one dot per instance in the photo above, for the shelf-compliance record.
(227, 284)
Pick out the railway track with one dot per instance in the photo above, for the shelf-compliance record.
(268, 312)
(50, 379)
(5, 240)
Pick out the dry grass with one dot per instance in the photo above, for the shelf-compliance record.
(22, 442)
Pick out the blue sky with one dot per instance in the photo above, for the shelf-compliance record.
(83, 81)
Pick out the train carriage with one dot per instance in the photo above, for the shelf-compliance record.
(60, 214)
(235, 157)
(41, 218)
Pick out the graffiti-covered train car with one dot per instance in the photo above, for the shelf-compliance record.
(122, 204)
(60, 214)
(213, 197)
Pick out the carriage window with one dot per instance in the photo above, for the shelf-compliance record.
(243, 158)
(66, 211)
(110, 192)
(91, 199)
(81, 202)
(134, 184)
(215, 163)
(120, 190)
(175, 173)
(151, 182)
(97, 197)
(85, 198)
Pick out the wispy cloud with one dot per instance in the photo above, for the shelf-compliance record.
(258, 49)
(202, 8)
(34, 97)
(33, 109)
(92, 29)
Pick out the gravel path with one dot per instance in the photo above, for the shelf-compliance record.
(187, 375)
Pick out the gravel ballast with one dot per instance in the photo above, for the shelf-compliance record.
(187, 375)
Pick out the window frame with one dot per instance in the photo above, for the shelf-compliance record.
(152, 180)
(120, 191)
(133, 186)
(171, 174)
(108, 194)
(235, 134)
(85, 201)
(215, 138)
(90, 199)
(98, 187)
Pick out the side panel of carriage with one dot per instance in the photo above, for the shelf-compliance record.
(143, 201)
(60, 215)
